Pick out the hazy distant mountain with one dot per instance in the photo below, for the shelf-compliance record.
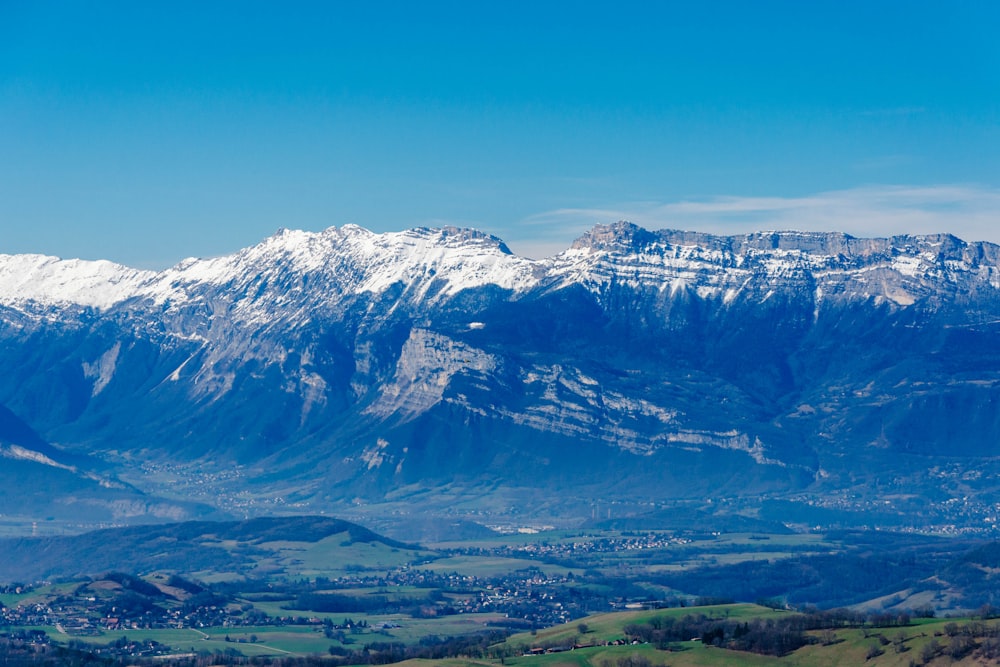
(434, 370)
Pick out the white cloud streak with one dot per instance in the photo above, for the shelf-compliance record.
(970, 212)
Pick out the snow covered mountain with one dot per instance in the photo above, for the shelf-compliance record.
(434, 369)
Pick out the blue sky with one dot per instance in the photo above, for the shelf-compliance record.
(145, 132)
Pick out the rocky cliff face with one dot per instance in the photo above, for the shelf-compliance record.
(349, 367)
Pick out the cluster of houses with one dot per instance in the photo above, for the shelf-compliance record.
(86, 615)
(575, 547)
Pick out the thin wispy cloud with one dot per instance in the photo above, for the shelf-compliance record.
(970, 212)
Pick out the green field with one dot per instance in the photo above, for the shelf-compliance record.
(502, 583)
(608, 627)
(335, 556)
(851, 647)
(847, 646)
(286, 640)
(273, 641)
(492, 566)
(331, 557)
(897, 646)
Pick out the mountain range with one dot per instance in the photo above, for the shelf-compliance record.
(778, 378)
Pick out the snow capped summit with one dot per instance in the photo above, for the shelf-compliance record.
(902, 270)
(356, 362)
(297, 272)
(50, 281)
(348, 260)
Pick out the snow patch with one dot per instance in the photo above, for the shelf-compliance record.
(375, 456)
(103, 369)
(21, 453)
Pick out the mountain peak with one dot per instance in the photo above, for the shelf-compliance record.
(454, 237)
(50, 280)
(628, 238)
(349, 363)
(621, 235)
(443, 261)
(445, 236)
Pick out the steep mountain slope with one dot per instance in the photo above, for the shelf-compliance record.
(433, 369)
(39, 482)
